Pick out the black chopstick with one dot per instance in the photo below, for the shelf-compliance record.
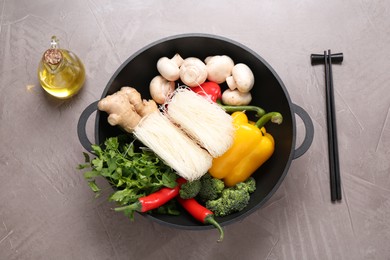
(334, 167)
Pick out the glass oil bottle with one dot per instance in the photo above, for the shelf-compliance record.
(61, 73)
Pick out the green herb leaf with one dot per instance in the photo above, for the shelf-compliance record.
(97, 149)
(125, 196)
(91, 174)
(170, 208)
(112, 143)
(83, 166)
(169, 179)
(97, 164)
(93, 186)
(132, 171)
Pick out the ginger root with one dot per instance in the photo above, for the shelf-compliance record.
(126, 108)
(142, 107)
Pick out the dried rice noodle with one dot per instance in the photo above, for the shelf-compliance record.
(202, 119)
(173, 146)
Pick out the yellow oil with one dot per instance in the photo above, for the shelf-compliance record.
(62, 80)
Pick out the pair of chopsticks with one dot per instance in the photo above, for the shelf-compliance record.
(334, 166)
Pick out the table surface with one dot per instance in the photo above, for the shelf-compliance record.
(47, 210)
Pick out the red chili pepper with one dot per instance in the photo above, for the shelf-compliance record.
(154, 200)
(201, 214)
(209, 89)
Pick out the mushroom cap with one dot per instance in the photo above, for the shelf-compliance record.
(177, 59)
(243, 77)
(219, 67)
(193, 72)
(236, 98)
(168, 69)
(160, 89)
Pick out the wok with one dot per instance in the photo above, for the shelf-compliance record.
(269, 92)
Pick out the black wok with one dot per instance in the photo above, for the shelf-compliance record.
(269, 92)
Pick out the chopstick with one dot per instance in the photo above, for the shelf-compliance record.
(334, 167)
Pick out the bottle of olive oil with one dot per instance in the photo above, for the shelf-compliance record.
(61, 73)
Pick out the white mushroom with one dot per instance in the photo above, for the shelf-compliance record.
(242, 78)
(236, 98)
(219, 67)
(160, 89)
(231, 83)
(193, 72)
(170, 68)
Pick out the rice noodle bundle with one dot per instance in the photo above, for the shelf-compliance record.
(173, 146)
(203, 120)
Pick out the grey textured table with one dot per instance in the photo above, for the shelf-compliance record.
(47, 211)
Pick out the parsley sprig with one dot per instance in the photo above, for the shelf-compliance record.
(132, 172)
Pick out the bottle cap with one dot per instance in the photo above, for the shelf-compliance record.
(53, 56)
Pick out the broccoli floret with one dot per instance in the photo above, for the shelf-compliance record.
(249, 185)
(233, 199)
(211, 188)
(190, 189)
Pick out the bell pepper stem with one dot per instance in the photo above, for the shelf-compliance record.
(210, 220)
(275, 117)
(230, 109)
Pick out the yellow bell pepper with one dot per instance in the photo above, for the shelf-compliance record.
(252, 146)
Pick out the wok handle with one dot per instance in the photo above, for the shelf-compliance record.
(309, 129)
(81, 126)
